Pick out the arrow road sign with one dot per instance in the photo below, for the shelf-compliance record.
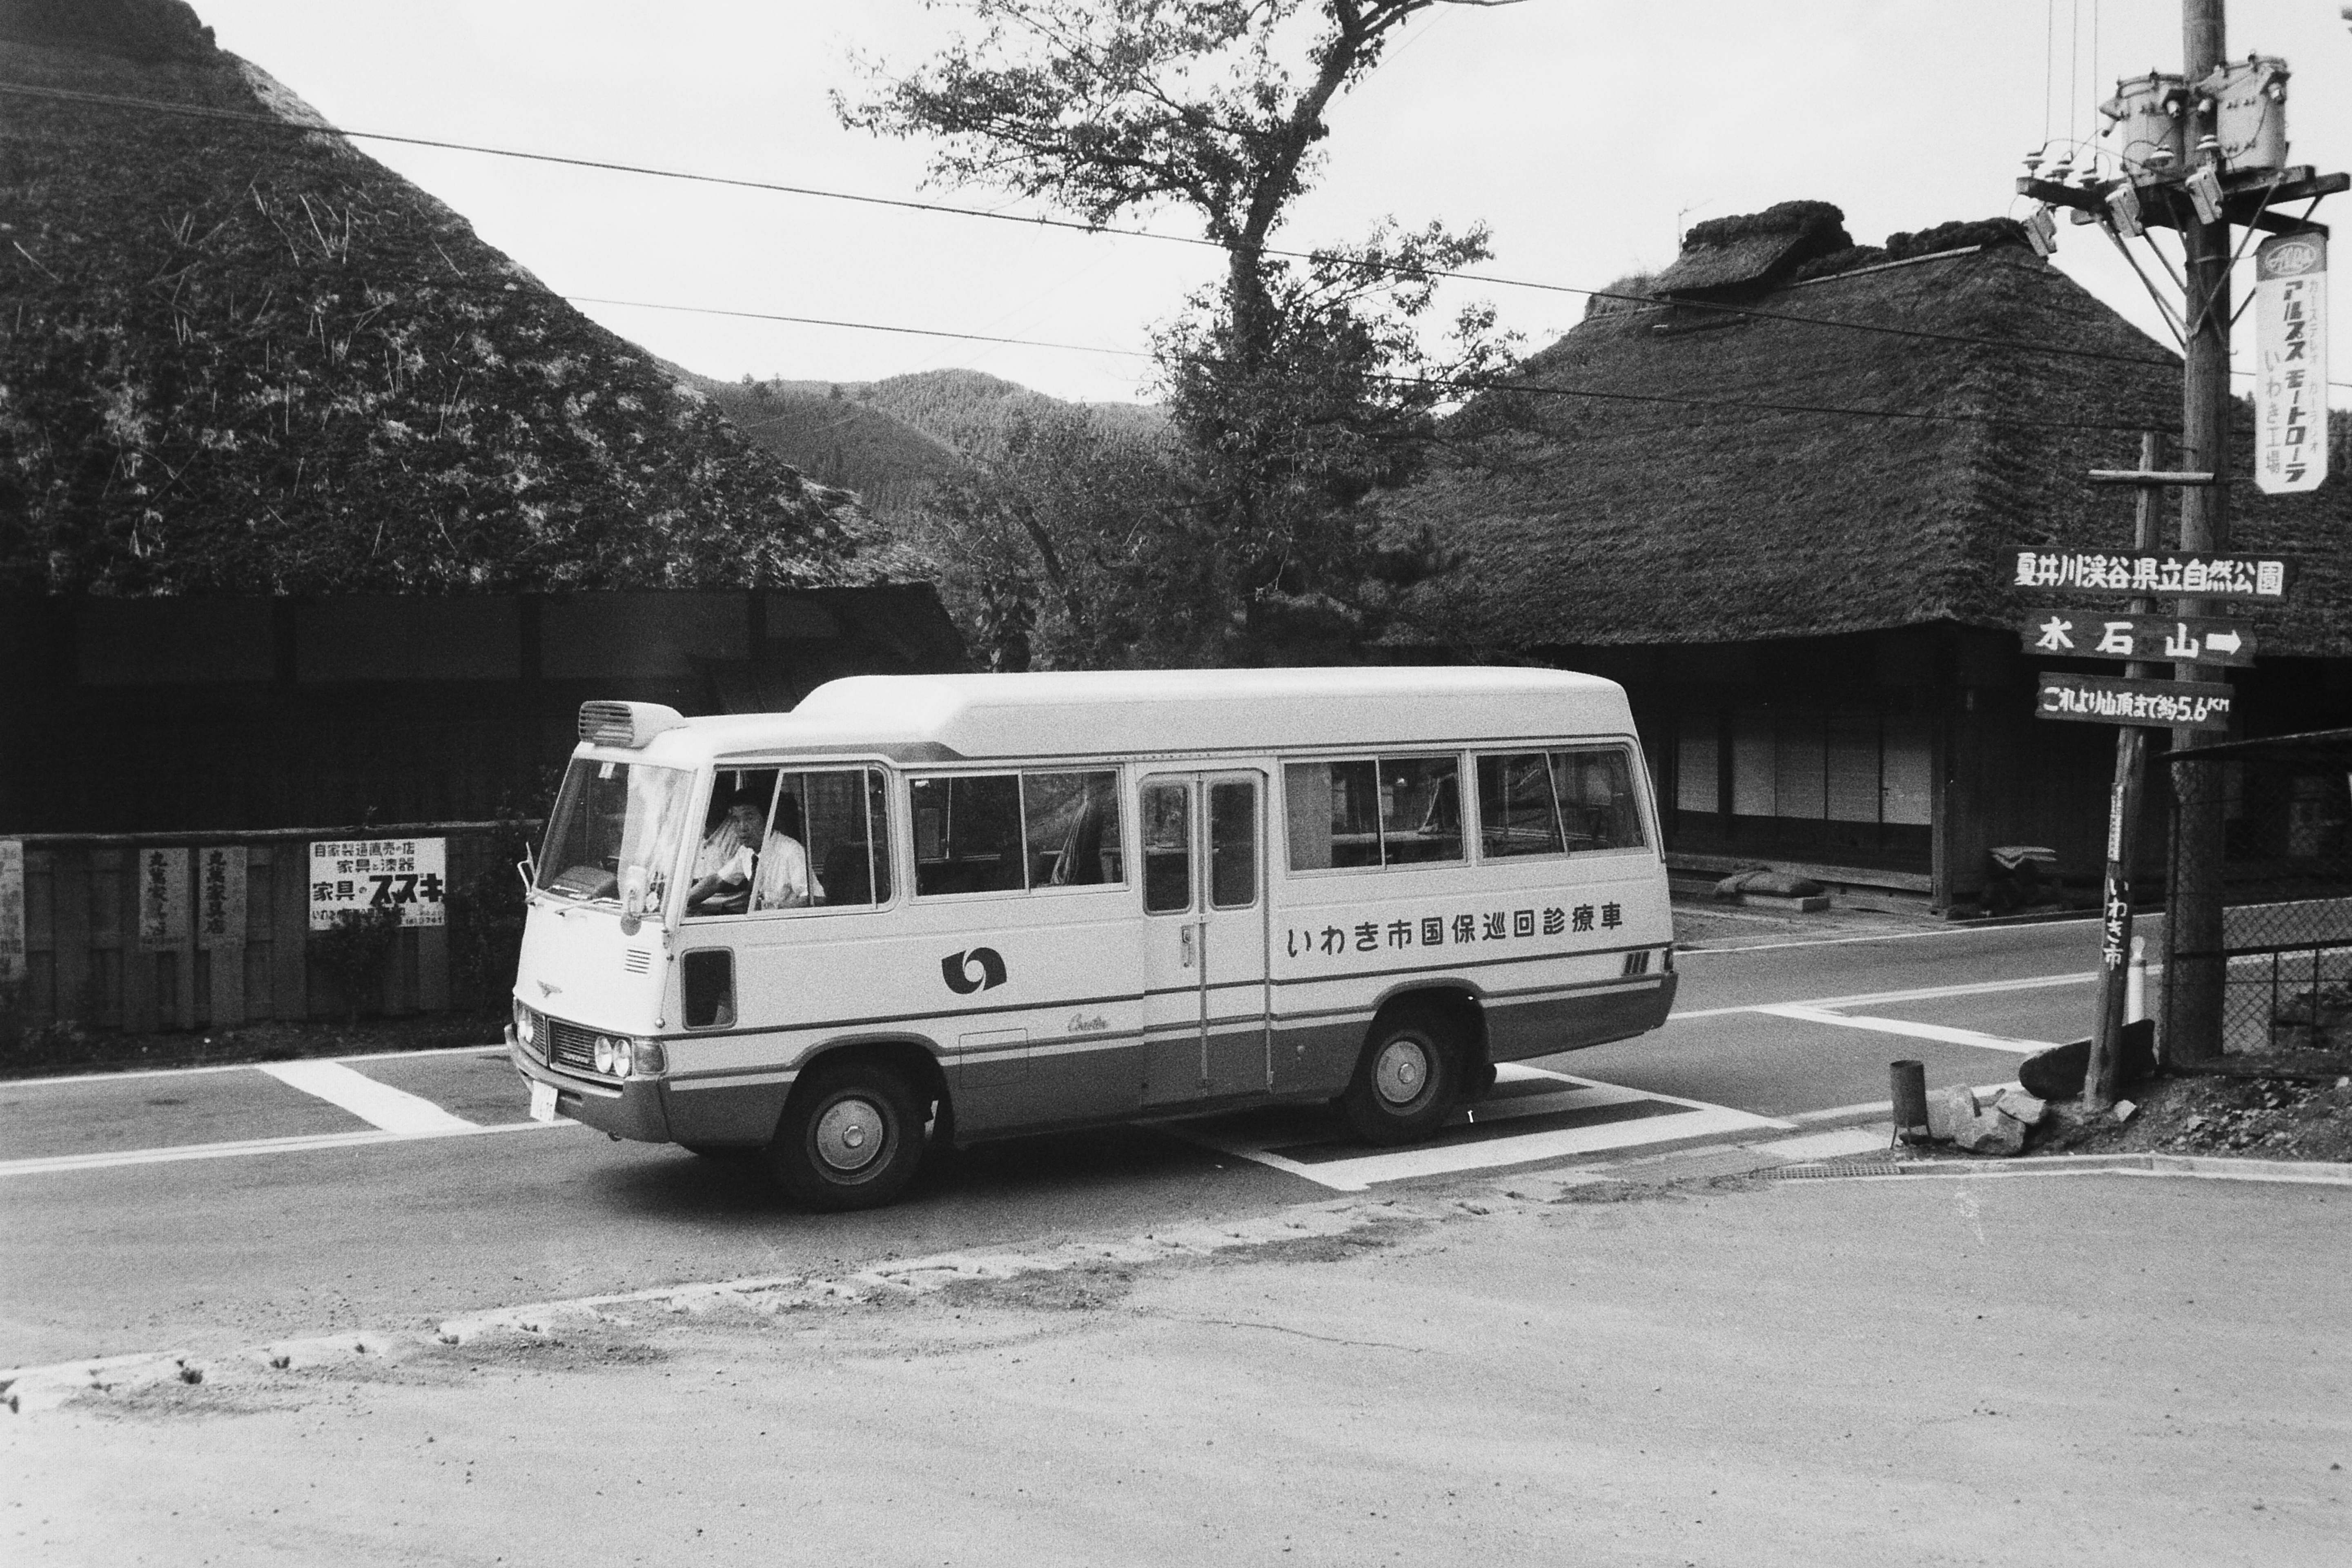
(2155, 704)
(2096, 633)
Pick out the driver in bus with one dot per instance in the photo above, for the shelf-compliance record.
(724, 866)
(784, 880)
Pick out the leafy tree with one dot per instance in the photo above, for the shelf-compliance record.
(1298, 386)
(1077, 546)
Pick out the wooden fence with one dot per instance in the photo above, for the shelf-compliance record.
(84, 959)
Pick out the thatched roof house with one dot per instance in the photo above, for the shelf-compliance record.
(1775, 488)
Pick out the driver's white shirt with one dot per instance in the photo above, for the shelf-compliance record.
(783, 881)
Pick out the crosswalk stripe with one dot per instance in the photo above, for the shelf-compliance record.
(1687, 1119)
(298, 1143)
(378, 1104)
(1943, 1033)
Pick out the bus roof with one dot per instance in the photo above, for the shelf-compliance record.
(1159, 712)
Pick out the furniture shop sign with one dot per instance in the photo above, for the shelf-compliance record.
(409, 875)
(2291, 362)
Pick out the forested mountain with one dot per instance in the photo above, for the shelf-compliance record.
(237, 355)
(891, 440)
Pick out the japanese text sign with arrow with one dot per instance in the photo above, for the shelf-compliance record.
(2090, 633)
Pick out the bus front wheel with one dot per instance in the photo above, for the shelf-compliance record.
(1407, 1081)
(851, 1138)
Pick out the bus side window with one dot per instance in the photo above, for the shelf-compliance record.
(1335, 814)
(1074, 829)
(1167, 848)
(967, 834)
(1598, 807)
(849, 841)
(1516, 814)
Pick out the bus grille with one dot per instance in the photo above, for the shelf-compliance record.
(571, 1045)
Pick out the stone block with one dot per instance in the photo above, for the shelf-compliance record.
(1949, 1111)
(2026, 1108)
(1992, 1133)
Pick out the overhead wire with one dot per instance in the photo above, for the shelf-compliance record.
(908, 204)
(1073, 224)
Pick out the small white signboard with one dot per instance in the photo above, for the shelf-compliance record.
(2291, 362)
(162, 900)
(12, 911)
(410, 874)
(220, 896)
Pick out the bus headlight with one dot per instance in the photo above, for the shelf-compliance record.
(606, 1058)
(526, 1025)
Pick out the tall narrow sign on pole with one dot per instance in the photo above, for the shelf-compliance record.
(2291, 362)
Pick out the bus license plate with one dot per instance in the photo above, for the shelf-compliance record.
(542, 1101)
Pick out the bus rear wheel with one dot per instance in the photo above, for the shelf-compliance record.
(851, 1138)
(1406, 1081)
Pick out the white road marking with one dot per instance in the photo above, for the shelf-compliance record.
(1682, 953)
(1924, 994)
(1905, 1026)
(1697, 1118)
(1883, 1107)
(81, 1077)
(377, 1104)
(1831, 1144)
(295, 1144)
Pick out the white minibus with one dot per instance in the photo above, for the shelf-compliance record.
(923, 909)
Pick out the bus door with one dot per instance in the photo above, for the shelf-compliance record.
(1205, 987)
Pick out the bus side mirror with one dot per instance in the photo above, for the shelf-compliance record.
(633, 899)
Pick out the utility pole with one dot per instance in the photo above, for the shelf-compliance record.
(2201, 153)
(2194, 989)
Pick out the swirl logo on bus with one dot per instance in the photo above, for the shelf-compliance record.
(956, 970)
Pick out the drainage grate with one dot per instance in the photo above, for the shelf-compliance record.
(1837, 1168)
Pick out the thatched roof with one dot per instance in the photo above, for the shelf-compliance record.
(1726, 256)
(239, 356)
(1577, 521)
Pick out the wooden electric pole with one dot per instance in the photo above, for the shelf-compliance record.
(2193, 990)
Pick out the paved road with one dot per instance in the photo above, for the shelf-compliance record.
(226, 1206)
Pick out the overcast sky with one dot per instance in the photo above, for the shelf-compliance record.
(1585, 132)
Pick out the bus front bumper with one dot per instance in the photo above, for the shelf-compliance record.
(634, 1108)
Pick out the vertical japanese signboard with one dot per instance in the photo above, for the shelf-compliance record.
(2291, 362)
(12, 911)
(409, 875)
(220, 896)
(163, 900)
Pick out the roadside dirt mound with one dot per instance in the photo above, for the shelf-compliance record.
(2288, 1105)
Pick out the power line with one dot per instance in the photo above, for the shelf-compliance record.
(1073, 224)
(854, 326)
(274, 122)
(1448, 383)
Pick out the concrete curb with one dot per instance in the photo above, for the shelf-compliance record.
(2201, 1167)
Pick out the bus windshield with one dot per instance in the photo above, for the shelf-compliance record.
(609, 818)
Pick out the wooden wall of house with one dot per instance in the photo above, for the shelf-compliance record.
(84, 959)
(146, 715)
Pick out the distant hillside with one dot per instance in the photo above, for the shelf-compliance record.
(972, 410)
(890, 440)
(239, 357)
(820, 429)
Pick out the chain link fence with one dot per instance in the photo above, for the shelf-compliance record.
(2259, 942)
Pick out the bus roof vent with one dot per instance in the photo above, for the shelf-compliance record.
(625, 723)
